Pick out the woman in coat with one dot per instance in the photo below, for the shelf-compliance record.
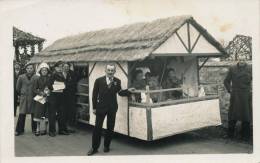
(24, 87)
(42, 88)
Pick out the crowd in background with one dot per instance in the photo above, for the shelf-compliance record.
(48, 94)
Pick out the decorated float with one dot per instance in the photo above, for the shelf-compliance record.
(175, 42)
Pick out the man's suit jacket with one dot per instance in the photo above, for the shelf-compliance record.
(104, 99)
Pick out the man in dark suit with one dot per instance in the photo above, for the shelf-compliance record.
(104, 101)
(69, 97)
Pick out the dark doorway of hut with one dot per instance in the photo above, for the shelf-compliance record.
(82, 93)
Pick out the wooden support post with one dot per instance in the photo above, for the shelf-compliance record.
(203, 63)
(188, 32)
(177, 34)
(92, 69)
(164, 68)
(196, 41)
(122, 69)
(130, 69)
(149, 115)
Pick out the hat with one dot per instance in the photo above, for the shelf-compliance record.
(43, 65)
(58, 63)
(27, 64)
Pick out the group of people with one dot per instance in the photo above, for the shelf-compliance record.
(60, 103)
(170, 80)
(39, 96)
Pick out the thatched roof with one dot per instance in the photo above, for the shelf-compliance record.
(23, 38)
(127, 43)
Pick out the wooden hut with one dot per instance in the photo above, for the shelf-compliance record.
(174, 42)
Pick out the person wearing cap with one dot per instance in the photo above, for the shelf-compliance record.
(56, 100)
(69, 93)
(42, 89)
(17, 73)
(238, 83)
(24, 87)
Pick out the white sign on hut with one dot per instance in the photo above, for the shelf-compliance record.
(154, 48)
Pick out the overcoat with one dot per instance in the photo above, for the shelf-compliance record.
(238, 84)
(24, 87)
(40, 110)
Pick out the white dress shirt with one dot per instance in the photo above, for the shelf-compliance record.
(108, 81)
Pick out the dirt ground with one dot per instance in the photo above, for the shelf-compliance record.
(77, 144)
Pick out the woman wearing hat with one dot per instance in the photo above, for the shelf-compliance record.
(42, 89)
(24, 87)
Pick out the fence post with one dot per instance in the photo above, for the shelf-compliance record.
(147, 94)
(188, 93)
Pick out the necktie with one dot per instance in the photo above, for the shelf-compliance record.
(110, 83)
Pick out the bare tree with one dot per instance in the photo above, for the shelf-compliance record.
(240, 47)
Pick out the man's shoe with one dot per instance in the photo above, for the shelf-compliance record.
(44, 132)
(106, 149)
(71, 131)
(19, 133)
(92, 152)
(52, 134)
(231, 135)
(37, 133)
(63, 133)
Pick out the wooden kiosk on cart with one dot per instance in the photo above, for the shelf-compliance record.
(175, 42)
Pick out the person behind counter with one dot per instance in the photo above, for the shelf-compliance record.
(139, 84)
(171, 81)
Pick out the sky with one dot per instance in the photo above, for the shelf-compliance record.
(56, 19)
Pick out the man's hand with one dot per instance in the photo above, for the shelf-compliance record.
(94, 111)
(131, 89)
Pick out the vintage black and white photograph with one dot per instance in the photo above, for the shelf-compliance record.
(129, 78)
